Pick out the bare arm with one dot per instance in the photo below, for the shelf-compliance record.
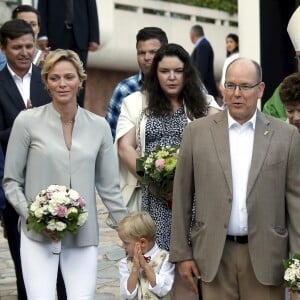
(127, 151)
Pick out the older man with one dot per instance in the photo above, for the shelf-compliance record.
(241, 168)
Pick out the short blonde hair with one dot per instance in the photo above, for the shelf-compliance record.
(138, 224)
(62, 55)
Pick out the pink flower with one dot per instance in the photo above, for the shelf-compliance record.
(160, 163)
(81, 201)
(62, 211)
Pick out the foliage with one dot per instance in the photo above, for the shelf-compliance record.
(292, 273)
(229, 6)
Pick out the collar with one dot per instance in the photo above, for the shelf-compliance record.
(233, 123)
(152, 251)
(140, 78)
(199, 40)
(14, 75)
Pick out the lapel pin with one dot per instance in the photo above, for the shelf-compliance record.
(266, 132)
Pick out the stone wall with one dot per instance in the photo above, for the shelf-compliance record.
(99, 88)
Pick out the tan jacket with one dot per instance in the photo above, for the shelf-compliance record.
(273, 196)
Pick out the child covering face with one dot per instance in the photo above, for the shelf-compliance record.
(145, 272)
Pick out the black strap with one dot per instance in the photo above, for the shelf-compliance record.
(199, 289)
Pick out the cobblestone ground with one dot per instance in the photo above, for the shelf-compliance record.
(110, 253)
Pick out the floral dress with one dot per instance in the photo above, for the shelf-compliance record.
(163, 130)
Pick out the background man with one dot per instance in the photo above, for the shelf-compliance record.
(2, 197)
(70, 24)
(242, 169)
(148, 41)
(203, 57)
(21, 87)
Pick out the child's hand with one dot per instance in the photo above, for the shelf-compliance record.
(140, 256)
(136, 254)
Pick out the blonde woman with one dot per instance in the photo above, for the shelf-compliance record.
(61, 143)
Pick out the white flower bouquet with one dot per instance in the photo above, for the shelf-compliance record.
(292, 273)
(57, 209)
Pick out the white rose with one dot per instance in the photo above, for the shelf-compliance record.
(51, 225)
(39, 213)
(61, 188)
(60, 226)
(52, 188)
(72, 210)
(59, 197)
(34, 206)
(73, 194)
(82, 218)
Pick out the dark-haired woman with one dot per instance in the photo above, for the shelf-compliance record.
(171, 97)
(232, 53)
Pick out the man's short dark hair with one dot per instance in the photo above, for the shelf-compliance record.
(198, 30)
(14, 29)
(148, 33)
(26, 8)
(289, 91)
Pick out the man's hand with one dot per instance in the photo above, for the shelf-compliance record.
(43, 44)
(189, 271)
(28, 104)
(93, 46)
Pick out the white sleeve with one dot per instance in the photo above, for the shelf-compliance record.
(164, 279)
(211, 102)
(15, 165)
(130, 111)
(124, 274)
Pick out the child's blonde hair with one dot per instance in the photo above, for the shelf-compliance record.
(138, 224)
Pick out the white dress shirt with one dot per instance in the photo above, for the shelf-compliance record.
(241, 146)
(23, 84)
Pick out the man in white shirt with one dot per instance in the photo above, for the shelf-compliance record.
(21, 87)
(241, 169)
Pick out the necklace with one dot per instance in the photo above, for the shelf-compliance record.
(67, 122)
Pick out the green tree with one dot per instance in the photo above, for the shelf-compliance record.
(230, 6)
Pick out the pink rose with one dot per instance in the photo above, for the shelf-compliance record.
(81, 201)
(160, 163)
(62, 211)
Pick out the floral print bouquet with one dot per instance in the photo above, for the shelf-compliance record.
(157, 169)
(292, 273)
(57, 209)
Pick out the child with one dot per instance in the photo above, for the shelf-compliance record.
(146, 272)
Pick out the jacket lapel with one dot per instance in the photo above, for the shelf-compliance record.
(221, 141)
(262, 138)
(12, 90)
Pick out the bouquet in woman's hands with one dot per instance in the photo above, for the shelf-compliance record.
(57, 209)
(157, 169)
(292, 273)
